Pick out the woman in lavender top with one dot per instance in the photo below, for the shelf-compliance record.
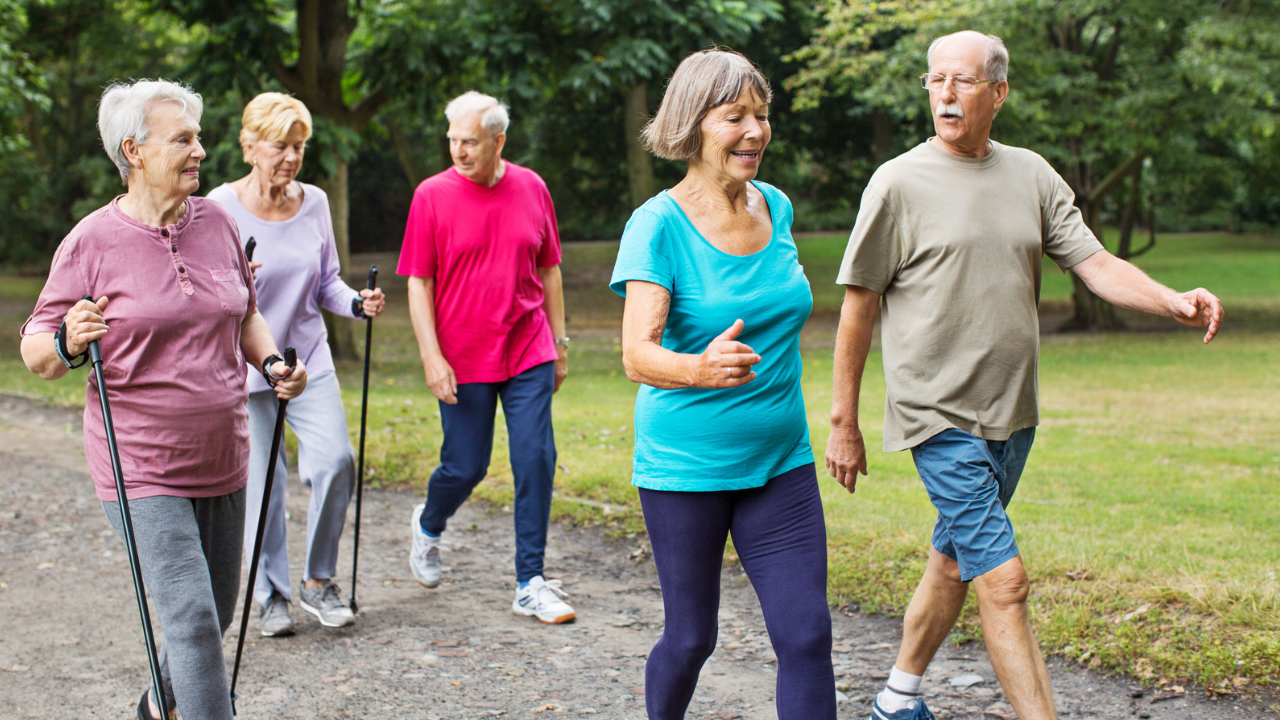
(296, 274)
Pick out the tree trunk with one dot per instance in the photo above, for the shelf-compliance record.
(341, 337)
(1124, 250)
(1091, 312)
(639, 162)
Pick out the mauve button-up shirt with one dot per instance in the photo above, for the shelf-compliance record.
(171, 359)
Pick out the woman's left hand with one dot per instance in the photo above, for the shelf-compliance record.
(374, 302)
(293, 384)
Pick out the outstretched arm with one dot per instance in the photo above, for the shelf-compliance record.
(846, 452)
(1123, 284)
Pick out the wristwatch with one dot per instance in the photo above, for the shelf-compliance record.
(563, 341)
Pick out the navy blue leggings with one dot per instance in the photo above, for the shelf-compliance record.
(468, 444)
(781, 539)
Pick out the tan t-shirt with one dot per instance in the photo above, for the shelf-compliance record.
(954, 246)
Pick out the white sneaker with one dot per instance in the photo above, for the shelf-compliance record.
(543, 600)
(424, 559)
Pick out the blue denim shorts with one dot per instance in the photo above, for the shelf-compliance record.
(970, 482)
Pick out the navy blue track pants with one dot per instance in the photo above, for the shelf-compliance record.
(780, 536)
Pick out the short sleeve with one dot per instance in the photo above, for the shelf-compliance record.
(65, 287)
(874, 252)
(644, 253)
(1065, 236)
(549, 255)
(418, 253)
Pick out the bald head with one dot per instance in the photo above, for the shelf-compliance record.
(988, 49)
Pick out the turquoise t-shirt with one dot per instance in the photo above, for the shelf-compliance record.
(730, 439)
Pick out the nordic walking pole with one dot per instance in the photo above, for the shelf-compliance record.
(126, 522)
(290, 359)
(364, 409)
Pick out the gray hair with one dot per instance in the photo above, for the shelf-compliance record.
(492, 112)
(996, 64)
(706, 79)
(124, 109)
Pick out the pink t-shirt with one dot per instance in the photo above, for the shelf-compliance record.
(483, 247)
(171, 359)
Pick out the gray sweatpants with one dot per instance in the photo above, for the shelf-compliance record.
(189, 549)
(326, 463)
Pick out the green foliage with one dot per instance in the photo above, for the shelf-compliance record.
(1092, 84)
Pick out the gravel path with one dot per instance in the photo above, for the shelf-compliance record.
(70, 646)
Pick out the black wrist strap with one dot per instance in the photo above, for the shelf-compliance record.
(266, 369)
(64, 354)
(357, 307)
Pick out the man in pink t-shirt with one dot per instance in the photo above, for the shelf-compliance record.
(482, 252)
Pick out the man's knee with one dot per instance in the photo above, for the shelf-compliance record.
(1004, 586)
(944, 568)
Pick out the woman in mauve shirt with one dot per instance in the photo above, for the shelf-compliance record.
(296, 274)
(176, 314)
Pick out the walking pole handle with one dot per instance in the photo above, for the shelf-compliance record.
(95, 352)
(248, 249)
(373, 277)
(291, 358)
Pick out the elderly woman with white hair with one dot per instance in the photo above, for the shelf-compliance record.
(715, 301)
(298, 275)
(175, 312)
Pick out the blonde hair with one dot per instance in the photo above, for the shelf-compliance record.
(125, 109)
(270, 116)
(706, 79)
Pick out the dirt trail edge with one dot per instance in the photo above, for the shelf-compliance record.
(70, 646)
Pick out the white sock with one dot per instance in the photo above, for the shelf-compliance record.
(901, 693)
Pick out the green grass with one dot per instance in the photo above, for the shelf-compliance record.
(1147, 515)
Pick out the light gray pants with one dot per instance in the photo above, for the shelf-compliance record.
(189, 549)
(327, 464)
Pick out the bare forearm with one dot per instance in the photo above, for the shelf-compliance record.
(553, 299)
(1122, 284)
(422, 314)
(649, 363)
(858, 316)
(41, 358)
(256, 340)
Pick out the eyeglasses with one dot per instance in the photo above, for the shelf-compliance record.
(961, 83)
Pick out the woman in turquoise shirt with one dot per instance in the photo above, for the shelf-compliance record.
(715, 301)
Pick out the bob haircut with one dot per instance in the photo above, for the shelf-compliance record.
(270, 116)
(123, 113)
(706, 79)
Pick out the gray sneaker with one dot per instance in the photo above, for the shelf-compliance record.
(273, 617)
(325, 602)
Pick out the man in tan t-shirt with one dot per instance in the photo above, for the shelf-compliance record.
(947, 248)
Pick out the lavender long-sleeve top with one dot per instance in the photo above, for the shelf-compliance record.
(299, 275)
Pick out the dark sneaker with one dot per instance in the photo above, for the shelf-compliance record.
(919, 712)
(273, 617)
(325, 602)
